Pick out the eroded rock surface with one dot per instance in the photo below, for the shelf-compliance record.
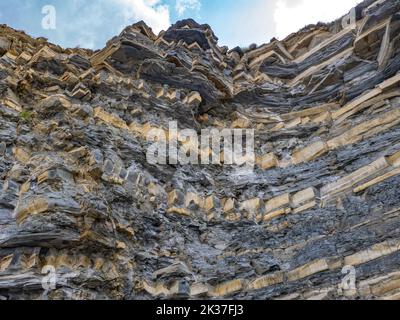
(78, 194)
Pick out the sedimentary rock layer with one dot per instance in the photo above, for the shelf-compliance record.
(78, 194)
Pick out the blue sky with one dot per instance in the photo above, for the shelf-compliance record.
(90, 23)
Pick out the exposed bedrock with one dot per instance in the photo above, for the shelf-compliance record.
(78, 194)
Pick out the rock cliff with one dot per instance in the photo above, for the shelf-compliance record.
(78, 194)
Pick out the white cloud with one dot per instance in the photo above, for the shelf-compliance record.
(184, 5)
(153, 12)
(292, 15)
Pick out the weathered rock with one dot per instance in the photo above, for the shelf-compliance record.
(79, 197)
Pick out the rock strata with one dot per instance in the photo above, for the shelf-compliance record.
(78, 194)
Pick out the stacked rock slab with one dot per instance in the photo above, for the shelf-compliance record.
(78, 194)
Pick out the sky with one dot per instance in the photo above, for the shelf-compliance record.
(90, 23)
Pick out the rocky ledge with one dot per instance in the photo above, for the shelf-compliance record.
(322, 205)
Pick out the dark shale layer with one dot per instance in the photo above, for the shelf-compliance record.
(78, 195)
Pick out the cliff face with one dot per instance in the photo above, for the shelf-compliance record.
(79, 196)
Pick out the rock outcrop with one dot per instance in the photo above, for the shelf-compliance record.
(78, 195)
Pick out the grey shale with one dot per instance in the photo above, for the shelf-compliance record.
(78, 195)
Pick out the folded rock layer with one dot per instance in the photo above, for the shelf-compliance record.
(79, 197)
